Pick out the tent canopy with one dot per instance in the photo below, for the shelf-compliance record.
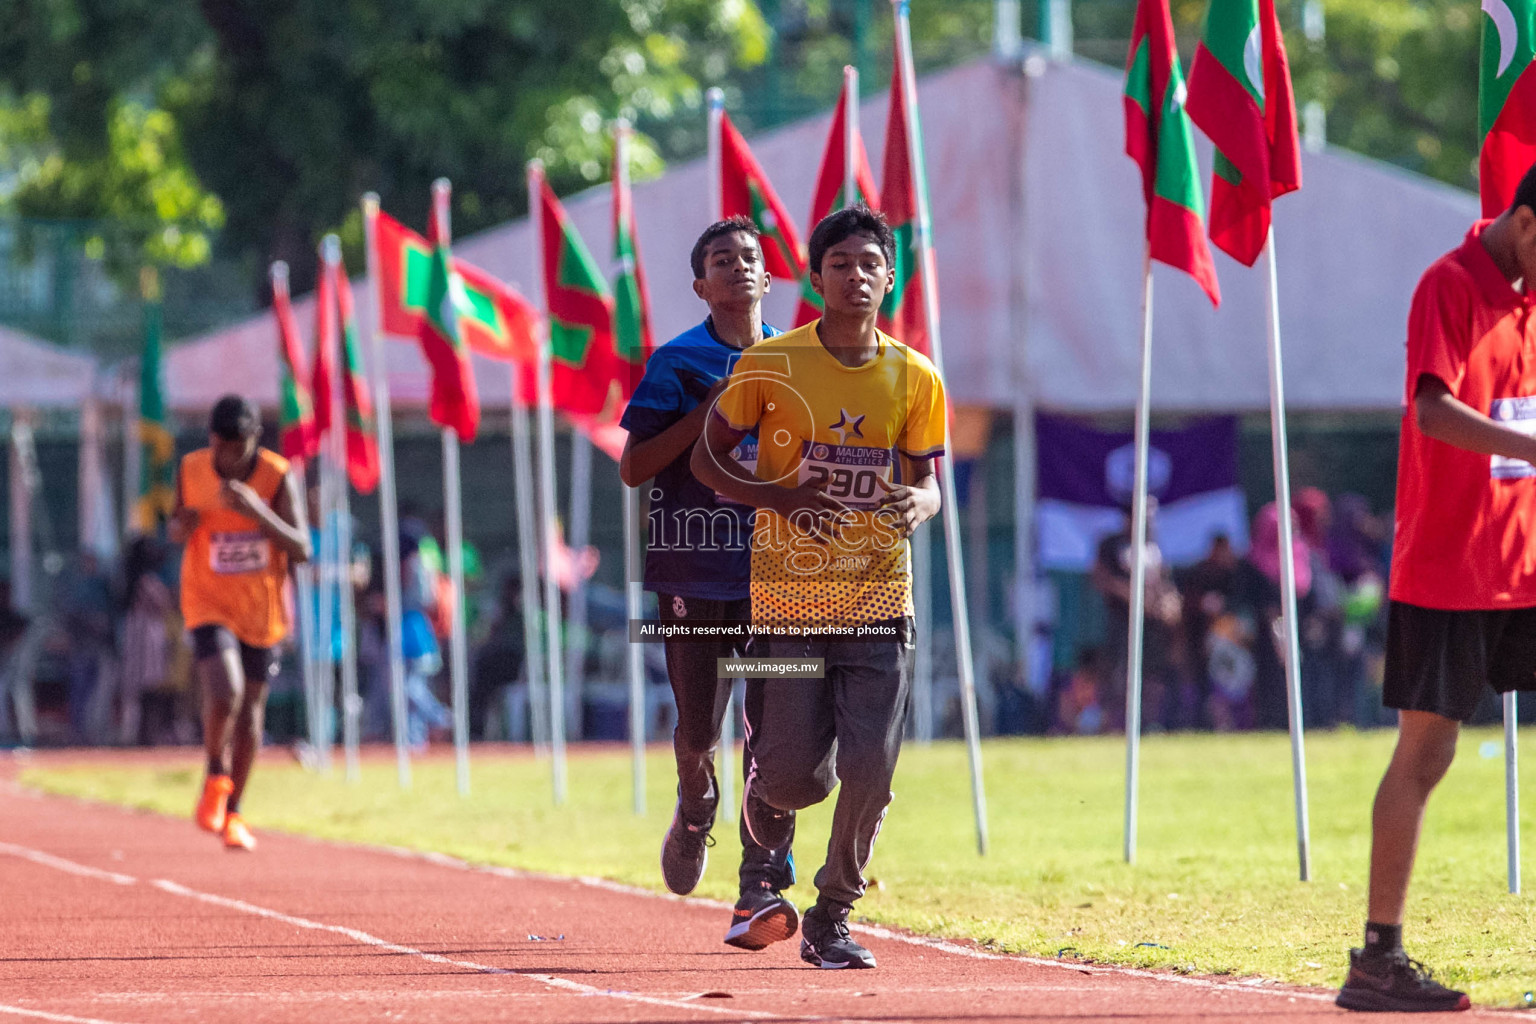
(1038, 224)
(38, 374)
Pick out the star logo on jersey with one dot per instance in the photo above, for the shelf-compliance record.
(847, 426)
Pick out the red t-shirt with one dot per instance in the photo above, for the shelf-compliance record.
(1465, 522)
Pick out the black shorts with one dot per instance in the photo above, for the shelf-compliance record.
(1441, 661)
(212, 640)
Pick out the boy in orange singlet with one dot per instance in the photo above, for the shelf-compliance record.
(241, 516)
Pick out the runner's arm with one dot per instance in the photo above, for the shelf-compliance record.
(1444, 417)
(642, 460)
(183, 520)
(285, 522)
(713, 465)
(916, 502)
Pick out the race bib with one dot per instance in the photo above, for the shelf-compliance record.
(238, 552)
(849, 473)
(746, 454)
(1518, 414)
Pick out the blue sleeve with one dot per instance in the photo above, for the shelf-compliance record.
(658, 400)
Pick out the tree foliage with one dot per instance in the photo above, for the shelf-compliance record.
(287, 110)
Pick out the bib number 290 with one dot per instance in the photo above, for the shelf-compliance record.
(857, 484)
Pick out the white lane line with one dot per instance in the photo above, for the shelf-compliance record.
(1255, 985)
(61, 1018)
(366, 939)
(49, 860)
(357, 935)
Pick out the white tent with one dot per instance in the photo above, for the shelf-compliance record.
(1038, 226)
(36, 373)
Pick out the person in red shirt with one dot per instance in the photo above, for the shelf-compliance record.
(1463, 585)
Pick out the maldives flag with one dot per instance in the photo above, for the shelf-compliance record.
(362, 442)
(829, 191)
(1506, 101)
(745, 191)
(632, 335)
(1157, 137)
(587, 374)
(325, 344)
(1240, 96)
(454, 402)
(296, 434)
(903, 182)
(496, 321)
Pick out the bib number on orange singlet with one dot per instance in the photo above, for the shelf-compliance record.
(848, 473)
(238, 552)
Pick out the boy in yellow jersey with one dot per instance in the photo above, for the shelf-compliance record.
(241, 516)
(849, 421)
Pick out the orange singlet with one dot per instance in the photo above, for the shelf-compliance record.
(232, 574)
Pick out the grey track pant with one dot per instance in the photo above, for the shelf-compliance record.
(811, 734)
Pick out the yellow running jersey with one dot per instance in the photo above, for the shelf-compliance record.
(820, 421)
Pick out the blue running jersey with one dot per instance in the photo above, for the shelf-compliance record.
(700, 545)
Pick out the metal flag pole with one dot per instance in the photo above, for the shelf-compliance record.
(581, 533)
(453, 514)
(547, 540)
(333, 486)
(725, 773)
(633, 572)
(1287, 571)
(1512, 790)
(528, 566)
(304, 594)
(850, 135)
(389, 516)
(341, 525)
(1138, 611)
(949, 508)
(303, 575)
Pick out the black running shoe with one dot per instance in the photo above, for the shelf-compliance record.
(769, 827)
(824, 942)
(1394, 983)
(684, 852)
(761, 918)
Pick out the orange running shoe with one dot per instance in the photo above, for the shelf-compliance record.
(236, 835)
(210, 808)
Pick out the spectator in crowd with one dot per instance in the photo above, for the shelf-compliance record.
(1322, 626)
(1079, 706)
(1217, 616)
(1161, 642)
(151, 630)
(419, 588)
(86, 616)
(498, 660)
(1271, 709)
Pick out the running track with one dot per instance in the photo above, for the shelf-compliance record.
(127, 918)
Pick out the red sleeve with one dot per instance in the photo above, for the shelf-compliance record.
(1440, 328)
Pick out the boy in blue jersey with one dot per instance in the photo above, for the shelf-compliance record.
(698, 562)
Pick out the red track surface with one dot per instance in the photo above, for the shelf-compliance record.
(113, 916)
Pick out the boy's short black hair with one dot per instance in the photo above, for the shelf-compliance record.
(234, 419)
(854, 220)
(1525, 192)
(729, 226)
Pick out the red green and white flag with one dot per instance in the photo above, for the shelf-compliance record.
(1157, 137)
(325, 344)
(1506, 101)
(497, 322)
(633, 337)
(903, 184)
(362, 438)
(297, 438)
(745, 191)
(587, 375)
(829, 191)
(1240, 96)
(454, 402)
